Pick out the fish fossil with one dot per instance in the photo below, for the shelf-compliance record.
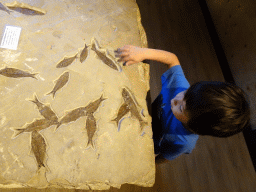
(4, 8)
(72, 115)
(36, 125)
(123, 110)
(16, 4)
(38, 147)
(91, 129)
(84, 54)
(104, 56)
(60, 82)
(93, 106)
(16, 73)
(66, 61)
(45, 110)
(129, 99)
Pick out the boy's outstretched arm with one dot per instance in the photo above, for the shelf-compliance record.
(132, 54)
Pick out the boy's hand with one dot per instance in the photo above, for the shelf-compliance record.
(130, 54)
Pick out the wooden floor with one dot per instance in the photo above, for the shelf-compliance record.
(215, 165)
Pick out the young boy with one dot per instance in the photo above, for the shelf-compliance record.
(182, 112)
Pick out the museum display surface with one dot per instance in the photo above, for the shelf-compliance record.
(71, 115)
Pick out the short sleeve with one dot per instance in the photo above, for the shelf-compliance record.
(174, 78)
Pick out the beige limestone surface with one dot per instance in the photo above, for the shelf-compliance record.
(62, 158)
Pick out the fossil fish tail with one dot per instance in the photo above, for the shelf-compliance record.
(17, 131)
(116, 120)
(93, 106)
(53, 92)
(35, 125)
(45, 111)
(90, 143)
(38, 147)
(132, 103)
(91, 129)
(123, 110)
(36, 101)
(135, 113)
(40, 176)
(33, 75)
(57, 126)
(143, 124)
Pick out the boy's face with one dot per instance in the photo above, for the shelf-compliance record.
(179, 107)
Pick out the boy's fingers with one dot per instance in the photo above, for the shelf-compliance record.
(124, 58)
(125, 55)
(128, 63)
(117, 55)
(118, 50)
(122, 54)
(125, 48)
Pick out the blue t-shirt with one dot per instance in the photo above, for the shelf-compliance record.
(174, 139)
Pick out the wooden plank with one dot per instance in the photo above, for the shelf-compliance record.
(216, 164)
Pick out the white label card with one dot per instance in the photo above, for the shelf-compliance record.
(11, 37)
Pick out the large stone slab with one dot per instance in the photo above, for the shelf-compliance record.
(87, 97)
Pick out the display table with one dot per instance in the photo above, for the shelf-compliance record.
(71, 115)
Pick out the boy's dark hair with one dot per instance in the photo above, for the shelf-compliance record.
(216, 108)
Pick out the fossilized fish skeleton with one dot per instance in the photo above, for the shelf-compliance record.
(84, 54)
(93, 106)
(123, 110)
(38, 147)
(104, 56)
(60, 82)
(91, 127)
(135, 113)
(71, 116)
(66, 61)
(36, 125)
(129, 99)
(16, 73)
(45, 111)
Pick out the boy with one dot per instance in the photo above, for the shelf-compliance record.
(182, 112)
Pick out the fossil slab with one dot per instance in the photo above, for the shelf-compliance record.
(102, 139)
